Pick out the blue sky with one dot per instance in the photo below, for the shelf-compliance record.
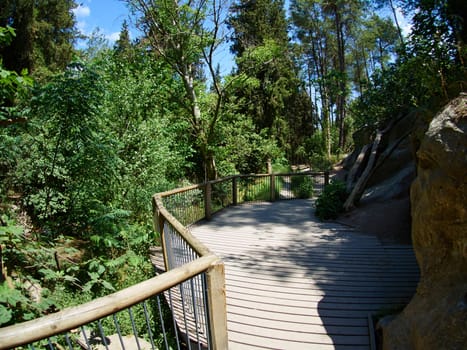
(107, 15)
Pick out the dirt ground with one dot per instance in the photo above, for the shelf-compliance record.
(389, 220)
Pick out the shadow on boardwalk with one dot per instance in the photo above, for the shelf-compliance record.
(294, 282)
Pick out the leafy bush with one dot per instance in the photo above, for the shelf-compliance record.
(302, 186)
(331, 201)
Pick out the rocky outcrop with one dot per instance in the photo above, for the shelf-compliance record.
(384, 205)
(436, 317)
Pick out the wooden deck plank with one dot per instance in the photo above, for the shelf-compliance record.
(293, 282)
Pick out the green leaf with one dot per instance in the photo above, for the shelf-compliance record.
(94, 276)
(5, 315)
(108, 286)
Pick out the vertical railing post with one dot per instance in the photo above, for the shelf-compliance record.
(217, 306)
(158, 222)
(326, 178)
(272, 187)
(207, 200)
(234, 191)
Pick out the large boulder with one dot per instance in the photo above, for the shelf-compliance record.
(436, 317)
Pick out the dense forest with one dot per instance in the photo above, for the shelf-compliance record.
(87, 136)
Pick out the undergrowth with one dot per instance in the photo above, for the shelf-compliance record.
(331, 201)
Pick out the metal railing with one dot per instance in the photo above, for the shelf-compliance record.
(193, 286)
(193, 203)
(198, 306)
(100, 321)
(176, 209)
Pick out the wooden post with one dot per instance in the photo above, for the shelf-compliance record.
(272, 187)
(217, 306)
(158, 222)
(207, 201)
(234, 191)
(326, 178)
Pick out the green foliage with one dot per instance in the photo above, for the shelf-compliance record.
(11, 83)
(21, 297)
(44, 35)
(70, 164)
(268, 89)
(331, 201)
(40, 276)
(143, 116)
(15, 307)
(244, 150)
(428, 72)
(302, 186)
(257, 189)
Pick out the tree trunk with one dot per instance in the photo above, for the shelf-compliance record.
(356, 167)
(209, 164)
(399, 31)
(362, 181)
(341, 97)
(359, 187)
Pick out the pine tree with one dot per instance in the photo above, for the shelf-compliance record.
(45, 33)
(273, 96)
(123, 44)
(256, 21)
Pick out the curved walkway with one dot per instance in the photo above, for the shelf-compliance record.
(293, 282)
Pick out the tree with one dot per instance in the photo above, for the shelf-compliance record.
(143, 116)
(186, 35)
(272, 93)
(11, 83)
(67, 166)
(12, 86)
(313, 35)
(45, 35)
(123, 44)
(373, 45)
(256, 21)
(391, 3)
(340, 42)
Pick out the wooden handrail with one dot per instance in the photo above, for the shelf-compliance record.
(212, 182)
(215, 276)
(73, 317)
(192, 241)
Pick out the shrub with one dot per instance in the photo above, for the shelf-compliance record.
(331, 201)
(302, 186)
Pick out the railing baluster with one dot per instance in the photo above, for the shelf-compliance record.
(103, 337)
(161, 317)
(148, 324)
(133, 326)
(173, 318)
(86, 340)
(68, 341)
(117, 327)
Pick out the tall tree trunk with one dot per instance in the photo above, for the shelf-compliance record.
(367, 73)
(396, 21)
(341, 98)
(202, 135)
(320, 69)
(327, 131)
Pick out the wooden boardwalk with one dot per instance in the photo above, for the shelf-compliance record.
(293, 282)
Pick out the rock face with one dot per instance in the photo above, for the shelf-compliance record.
(384, 207)
(436, 317)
